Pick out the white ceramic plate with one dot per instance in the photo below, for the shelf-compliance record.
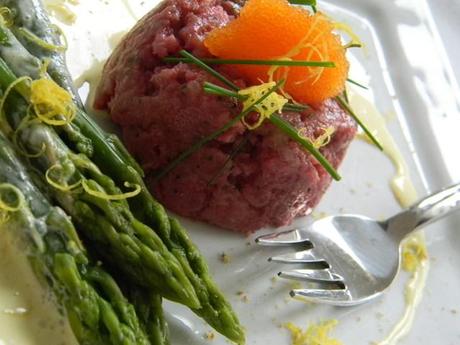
(413, 85)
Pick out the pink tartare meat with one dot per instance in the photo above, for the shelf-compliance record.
(244, 180)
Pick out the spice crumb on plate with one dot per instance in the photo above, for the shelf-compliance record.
(225, 258)
(243, 296)
(315, 334)
(210, 335)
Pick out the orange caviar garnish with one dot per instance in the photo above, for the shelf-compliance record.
(274, 29)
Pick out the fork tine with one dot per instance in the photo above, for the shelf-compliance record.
(329, 296)
(312, 275)
(293, 236)
(302, 257)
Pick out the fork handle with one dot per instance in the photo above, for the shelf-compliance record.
(427, 210)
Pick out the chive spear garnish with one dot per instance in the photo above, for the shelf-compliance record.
(303, 2)
(221, 91)
(293, 133)
(311, 3)
(208, 69)
(278, 121)
(283, 125)
(357, 84)
(201, 63)
(232, 155)
(353, 45)
(350, 111)
(295, 107)
(198, 145)
(290, 63)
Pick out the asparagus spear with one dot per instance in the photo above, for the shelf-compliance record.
(31, 16)
(113, 160)
(98, 313)
(147, 306)
(150, 312)
(121, 239)
(112, 223)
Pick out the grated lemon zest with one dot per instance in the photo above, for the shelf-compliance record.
(60, 33)
(313, 72)
(414, 252)
(6, 16)
(4, 206)
(324, 138)
(50, 102)
(273, 103)
(40, 42)
(316, 334)
(102, 195)
(61, 187)
(321, 140)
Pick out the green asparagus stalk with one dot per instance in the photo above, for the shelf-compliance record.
(121, 239)
(30, 15)
(110, 223)
(148, 306)
(98, 312)
(113, 160)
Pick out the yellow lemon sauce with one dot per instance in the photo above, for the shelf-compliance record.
(414, 252)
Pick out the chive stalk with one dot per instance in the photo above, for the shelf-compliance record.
(198, 145)
(221, 91)
(290, 63)
(351, 81)
(279, 122)
(208, 69)
(350, 111)
(293, 133)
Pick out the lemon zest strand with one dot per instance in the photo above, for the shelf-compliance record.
(19, 196)
(297, 49)
(320, 141)
(102, 195)
(40, 42)
(273, 103)
(60, 32)
(6, 16)
(324, 138)
(50, 100)
(10, 88)
(62, 188)
(314, 49)
(355, 39)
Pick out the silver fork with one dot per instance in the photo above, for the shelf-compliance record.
(351, 259)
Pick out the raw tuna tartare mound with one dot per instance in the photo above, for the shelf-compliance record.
(243, 180)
